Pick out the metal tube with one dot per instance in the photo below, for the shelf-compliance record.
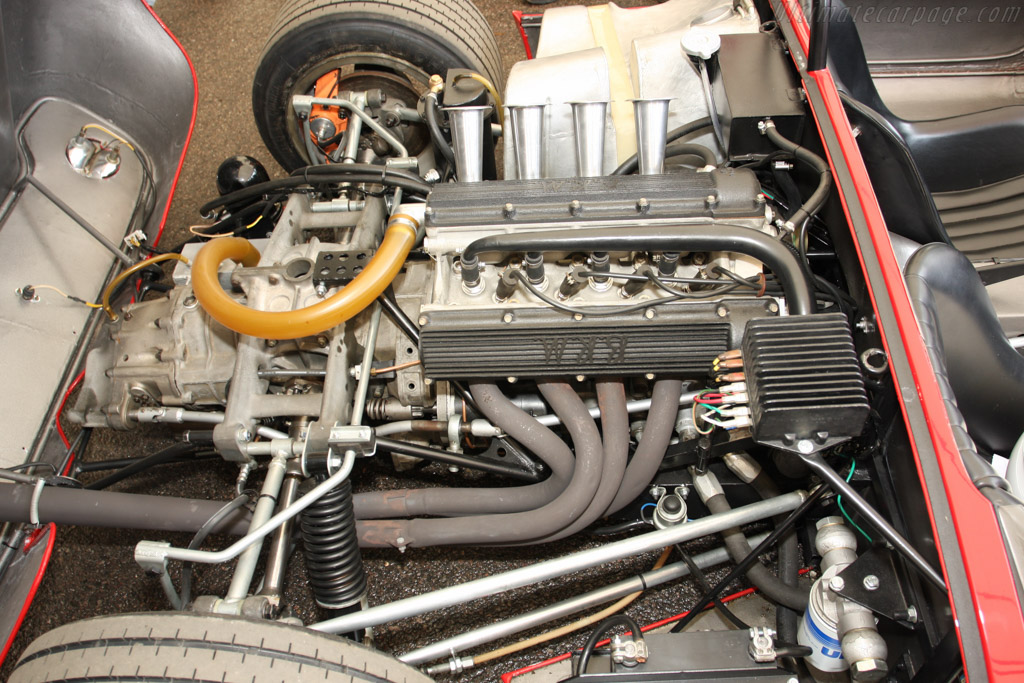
(368, 120)
(588, 120)
(148, 553)
(242, 578)
(180, 416)
(364, 370)
(456, 459)
(76, 217)
(651, 117)
(542, 571)
(280, 544)
(641, 406)
(840, 485)
(527, 123)
(467, 125)
(543, 615)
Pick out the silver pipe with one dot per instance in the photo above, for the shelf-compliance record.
(180, 416)
(246, 567)
(76, 217)
(588, 119)
(352, 133)
(467, 125)
(542, 571)
(651, 117)
(280, 544)
(527, 122)
(364, 371)
(840, 485)
(151, 553)
(543, 615)
(641, 406)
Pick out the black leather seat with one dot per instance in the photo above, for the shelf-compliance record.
(968, 348)
(972, 165)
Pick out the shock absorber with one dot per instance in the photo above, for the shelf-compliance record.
(333, 561)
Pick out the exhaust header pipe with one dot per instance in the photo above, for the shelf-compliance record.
(588, 120)
(528, 139)
(468, 125)
(651, 117)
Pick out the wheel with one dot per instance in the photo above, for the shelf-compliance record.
(393, 45)
(162, 646)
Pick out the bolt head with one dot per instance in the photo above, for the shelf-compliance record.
(507, 318)
(649, 376)
(722, 311)
(423, 320)
(805, 446)
(868, 670)
(580, 378)
(577, 316)
(871, 582)
(649, 313)
(512, 380)
(773, 307)
(837, 583)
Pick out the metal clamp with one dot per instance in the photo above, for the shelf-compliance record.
(762, 644)
(629, 652)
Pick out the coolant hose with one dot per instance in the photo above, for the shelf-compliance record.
(759, 575)
(515, 527)
(787, 564)
(611, 398)
(661, 420)
(332, 311)
(820, 194)
(452, 502)
(719, 237)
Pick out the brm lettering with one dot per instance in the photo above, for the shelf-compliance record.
(579, 350)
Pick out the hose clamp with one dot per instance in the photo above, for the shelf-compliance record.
(33, 509)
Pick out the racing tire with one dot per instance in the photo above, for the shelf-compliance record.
(411, 39)
(175, 646)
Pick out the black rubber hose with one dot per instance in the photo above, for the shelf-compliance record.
(340, 173)
(759, 575)
(787, 564)
(720, 237)
(741, 567)
(106, 465)
(453, 502)
(515, 527)
(169, 454)
(434, 126)
(820, 194)
(691, 149)
(113, 510)
(456, 459)
(197, 540)
(631, 164)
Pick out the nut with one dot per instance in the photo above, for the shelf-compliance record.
(871, 582)
(868, 670)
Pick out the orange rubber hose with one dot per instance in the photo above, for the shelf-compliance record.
(334, 310)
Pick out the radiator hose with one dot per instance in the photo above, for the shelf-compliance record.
(324, 315)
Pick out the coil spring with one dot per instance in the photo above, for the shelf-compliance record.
(376, 409)
(331, 548)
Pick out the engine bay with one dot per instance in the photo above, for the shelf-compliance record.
(610, 305)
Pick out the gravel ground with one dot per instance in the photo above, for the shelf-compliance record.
(92, 571)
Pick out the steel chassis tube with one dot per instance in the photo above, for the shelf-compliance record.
(542, 571)
(543, 615)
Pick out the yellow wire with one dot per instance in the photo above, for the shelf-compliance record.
(574, 626)
(110, 133)
(131, 271)
(67, 296)
(490, 88)
(194, 229)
